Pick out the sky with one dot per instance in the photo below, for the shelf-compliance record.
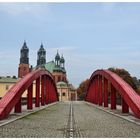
(90, 36)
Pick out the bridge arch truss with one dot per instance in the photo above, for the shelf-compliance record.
(45, 92)
(104, 83)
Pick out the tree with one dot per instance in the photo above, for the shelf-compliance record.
(81, 90)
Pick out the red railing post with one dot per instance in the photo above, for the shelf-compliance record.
(93, 91)
(51, 92)
(47, 91)
(96, 90)
(42, 90)
(125, 107)
(29, 97)
(105, 92)
(113, 97)
(18, 106)
(100, 91)
(37, 101)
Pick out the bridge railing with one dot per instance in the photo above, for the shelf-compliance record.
(103, 82)
(45, 92)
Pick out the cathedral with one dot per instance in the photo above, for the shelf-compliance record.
(56, 67)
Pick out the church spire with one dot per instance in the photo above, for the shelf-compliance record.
(23, 68)
(41, 56)
(57, 59)
(24, 54)
(62, 61)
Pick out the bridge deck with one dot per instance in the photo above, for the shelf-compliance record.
(66, 119)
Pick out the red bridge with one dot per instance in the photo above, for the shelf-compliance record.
(13, 97)
(97, 93)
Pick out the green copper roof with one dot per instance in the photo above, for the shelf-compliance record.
(8, 80)
(51, 67)
(62, 84)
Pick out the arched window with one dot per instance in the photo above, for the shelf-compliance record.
(59, 78)
(63, 94)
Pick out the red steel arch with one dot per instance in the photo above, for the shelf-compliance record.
(98, 91)
(13, 97)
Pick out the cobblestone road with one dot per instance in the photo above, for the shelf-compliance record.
(77, 119)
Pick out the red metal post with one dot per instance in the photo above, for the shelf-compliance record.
(45, 88)
(18, 106)
(51, 92)
(96, 90)
(105, 92)
(37, 101)
(42, 91)
(125, 107)
(113, 97)
(93, 91)
(100, 91)
(47, 91)
(29, 97)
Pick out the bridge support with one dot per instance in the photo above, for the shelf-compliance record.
(105, 92)
(42, 91)
(125, 107)
(18, 106)
(47, 91)
(30, 97)
(37, 101)
(113, 97)
(51, 96)
(96, 90)
(100, 91)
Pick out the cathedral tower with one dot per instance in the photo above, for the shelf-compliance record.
(62, 62)
(24, 61)
(41, 56)
(57, 59)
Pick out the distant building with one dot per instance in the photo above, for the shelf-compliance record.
(56, 67)
(6, 83)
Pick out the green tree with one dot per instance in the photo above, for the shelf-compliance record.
(81, 90)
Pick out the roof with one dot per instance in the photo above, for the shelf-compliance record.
(62, 84)
(8, 79)
(51, 67)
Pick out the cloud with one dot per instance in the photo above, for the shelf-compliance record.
(16, 9)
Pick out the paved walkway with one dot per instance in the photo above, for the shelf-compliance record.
(70, 119)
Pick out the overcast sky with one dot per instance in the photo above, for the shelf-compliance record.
(90, 35)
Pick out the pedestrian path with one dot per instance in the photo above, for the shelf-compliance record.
(70, 119)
